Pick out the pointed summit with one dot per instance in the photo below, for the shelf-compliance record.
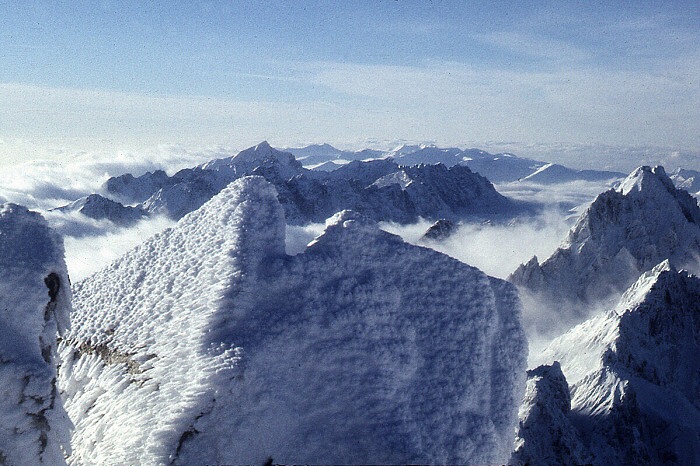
(208, 343)
(623, 233)
(634, 373)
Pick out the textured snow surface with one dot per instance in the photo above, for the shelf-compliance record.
(623, 233)
(209, 344)
(635, 375)
(34, 307)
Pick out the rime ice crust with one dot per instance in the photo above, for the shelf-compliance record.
(34, 307)
(207, 342)
(625, 232)
(634, 373)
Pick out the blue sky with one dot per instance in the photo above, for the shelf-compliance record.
(113, 75)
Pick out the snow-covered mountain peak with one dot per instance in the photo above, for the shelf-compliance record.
(623, 233)
(262, 156)
(639, 290)
(646, 178)
(634, 373)
(196, 346)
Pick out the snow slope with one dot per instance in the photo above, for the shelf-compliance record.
(623, 233)
(634, 373)
(209, 344)
(686, 179)
(34, 307)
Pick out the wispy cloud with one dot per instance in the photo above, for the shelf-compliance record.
(531, 46)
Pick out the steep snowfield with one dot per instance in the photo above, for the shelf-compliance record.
(209, 344)
(623, 233)
(634, 373)
(34, 307)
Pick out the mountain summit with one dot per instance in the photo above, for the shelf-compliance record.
(624, 232)
(634, 373)
(208, 343)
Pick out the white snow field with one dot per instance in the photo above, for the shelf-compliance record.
(208, 344)
(34, 307)
(634, 373)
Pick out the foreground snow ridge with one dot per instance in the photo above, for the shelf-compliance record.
(208, 343)
(34, 307)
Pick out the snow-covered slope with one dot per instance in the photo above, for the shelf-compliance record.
(623, 233)
(99, 208)
(209, 344)
(128, 189)
(34, 307)
(499, 168)
(686, 179)
(634, 373)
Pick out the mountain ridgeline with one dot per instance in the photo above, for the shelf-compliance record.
(402, 185)
(379, 189)
(207, 342)
(623, 233)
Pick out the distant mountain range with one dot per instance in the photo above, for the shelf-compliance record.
(498, 168)
(402, 185)
(381, 189)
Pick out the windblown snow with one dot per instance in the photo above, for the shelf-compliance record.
(34, 308)
(208, 343)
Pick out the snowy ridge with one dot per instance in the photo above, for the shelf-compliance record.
(208, 343)
(99, 207)
(545, 434)
(145, 347)
(634, 374)
(380, 189)
(623, 233)
(552, 173)
(34, 307)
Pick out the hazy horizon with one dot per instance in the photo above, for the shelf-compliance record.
(562, 80)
